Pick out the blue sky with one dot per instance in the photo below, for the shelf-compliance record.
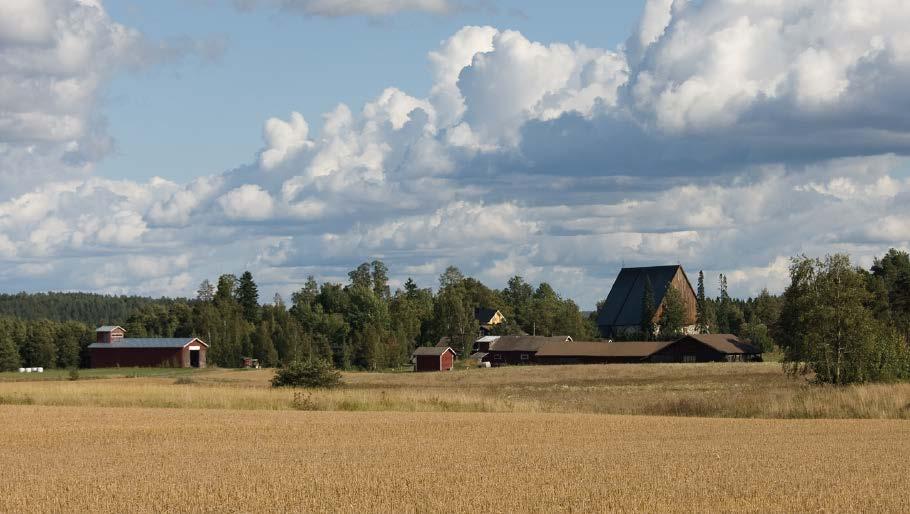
(146, 146)
(203, 117)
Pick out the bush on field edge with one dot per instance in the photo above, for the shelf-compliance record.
(312, 374)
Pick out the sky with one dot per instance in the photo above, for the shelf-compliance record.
(146, 146)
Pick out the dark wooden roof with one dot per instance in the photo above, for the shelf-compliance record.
(642, 349)
(623, 307)
(726, 343)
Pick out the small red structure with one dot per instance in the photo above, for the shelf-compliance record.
(433, 358)
(112, 349)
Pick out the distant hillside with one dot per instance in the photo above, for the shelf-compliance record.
(91, 309)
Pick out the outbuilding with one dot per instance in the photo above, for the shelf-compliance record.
(112, 349)
(434, 358)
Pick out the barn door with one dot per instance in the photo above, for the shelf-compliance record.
(194, 358)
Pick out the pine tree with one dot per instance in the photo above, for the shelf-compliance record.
(701, 320)
(647, 310)
(248, 297)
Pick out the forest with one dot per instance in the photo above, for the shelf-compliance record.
(364, 325)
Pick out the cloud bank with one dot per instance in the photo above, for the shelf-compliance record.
(724, 135)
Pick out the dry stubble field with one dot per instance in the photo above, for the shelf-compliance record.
(227, 443)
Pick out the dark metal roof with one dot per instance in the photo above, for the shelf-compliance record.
(642, 349)
(524, 343)
(158, 342)
(623, 307)
(434, 351)
(726, 343)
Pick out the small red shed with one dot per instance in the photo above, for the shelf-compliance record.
(112, 349)
(433, 358)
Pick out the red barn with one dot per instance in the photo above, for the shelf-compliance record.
(433, 358)
(112, 349)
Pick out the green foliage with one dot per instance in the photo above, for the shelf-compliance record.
(673, 315)
(759, 334)
(826, 326)
(73, 374)
(309, 374)
(9, 354)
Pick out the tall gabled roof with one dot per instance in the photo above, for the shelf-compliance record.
(623, 306)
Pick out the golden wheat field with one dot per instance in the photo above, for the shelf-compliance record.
(684, 438)
(89, 459)
(704, 390)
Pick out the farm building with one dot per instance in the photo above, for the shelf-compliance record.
(622, 313)
(500, 350)
(112, 349)
(690, 348)
(712, 348)
(433, 358)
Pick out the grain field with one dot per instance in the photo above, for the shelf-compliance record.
(92, 459)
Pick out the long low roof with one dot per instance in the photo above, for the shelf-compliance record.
(525, 343)
(632, 349)
(726, 343)
(722, 343)
(152, 342)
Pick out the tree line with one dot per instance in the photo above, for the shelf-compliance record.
(361, 324)
(839, 322)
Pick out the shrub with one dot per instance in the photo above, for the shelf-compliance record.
(74, 374)
(314, 374)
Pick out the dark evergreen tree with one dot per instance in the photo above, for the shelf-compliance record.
(248, 297)
(701, 319)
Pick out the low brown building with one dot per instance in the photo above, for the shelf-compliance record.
(112, 349)
(502, 350)
(692, 348)
(712, 348)
(433, 358)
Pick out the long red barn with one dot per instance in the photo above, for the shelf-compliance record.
(112, 349)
